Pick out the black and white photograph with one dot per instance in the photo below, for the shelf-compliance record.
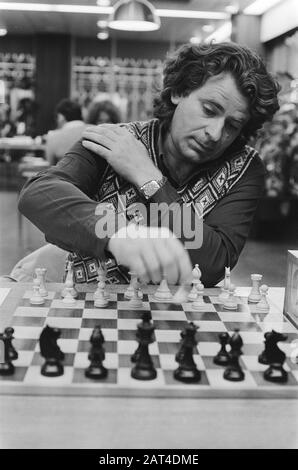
(149, 227)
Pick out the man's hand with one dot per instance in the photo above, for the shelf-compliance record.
(151, 252)
(126, 155)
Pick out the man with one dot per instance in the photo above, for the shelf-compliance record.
(70, 127)
(214, 98)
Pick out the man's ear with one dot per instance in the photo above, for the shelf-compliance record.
(175, 99)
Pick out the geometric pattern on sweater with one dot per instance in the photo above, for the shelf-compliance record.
(209, 187)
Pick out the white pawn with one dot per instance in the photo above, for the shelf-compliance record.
(231, 302)
(36, 298)
(180, 296)
(199, 303)
(224, 295)
(263, 305)
(101, 287)
(100, 299)
(135, 301)
(255, 295)
(40, 274)
(196, 279)
(68, 297)
(69, 280)
(163, 292)
(128, 294)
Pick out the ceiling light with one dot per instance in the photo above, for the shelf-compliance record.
(134, 15)
(107, 10)
(260, 6)
(103, 35)
(223, 33)
(3, 31)
(103, 3)
(233, 9)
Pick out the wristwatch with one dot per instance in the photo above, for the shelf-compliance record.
(151, 187)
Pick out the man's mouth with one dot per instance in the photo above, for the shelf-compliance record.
(206, 148)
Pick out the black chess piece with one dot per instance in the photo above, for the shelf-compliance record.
(233, 372)
(6, 367)
(96, 370)
(50, 350)
(146, 317)
(222, 358)
(144, 368)
(12, 353)
(187, 371)
(274, 357)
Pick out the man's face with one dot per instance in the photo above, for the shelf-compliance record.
(208, 120)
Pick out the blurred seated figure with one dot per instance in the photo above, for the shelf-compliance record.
(26, 117)
(7, 126)
(48, 256)
(69, 130)
(103, 112)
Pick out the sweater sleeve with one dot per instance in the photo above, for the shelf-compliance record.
(58, 201)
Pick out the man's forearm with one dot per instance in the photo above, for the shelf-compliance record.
(66, 216)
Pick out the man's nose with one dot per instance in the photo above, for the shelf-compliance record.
(215, 129)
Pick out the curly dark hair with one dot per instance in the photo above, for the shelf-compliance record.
(190, 67)
(105, 106)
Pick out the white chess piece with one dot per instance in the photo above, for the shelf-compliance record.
(68, 297)
(231, 302)
(100, 300)
(69, 279)
(255, 295)
(40, 274)
(163, 292)
(36, 298)
(135, 301)
(181, 295)
(128, 294)
(224, 295)
(196, 279)
(199, 304)
(263, 305)
(101, 291)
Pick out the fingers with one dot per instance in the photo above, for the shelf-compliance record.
(168, 265)
(182, 258)
(152, 264)
(96, 148)
(102, 136)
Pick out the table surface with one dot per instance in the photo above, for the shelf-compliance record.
(157, 423)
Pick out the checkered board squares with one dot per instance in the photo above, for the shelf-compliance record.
(119, 324)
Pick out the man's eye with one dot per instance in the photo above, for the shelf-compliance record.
(209, 111)
(233, 127)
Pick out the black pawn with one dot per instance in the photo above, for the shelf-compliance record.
(233, 372)
(96, 370)
(222, 358)
(6, 367)
(12, 353)
(187, 371)
(144, 368)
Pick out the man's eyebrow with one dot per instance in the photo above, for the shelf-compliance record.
(215, 103)
(221, 108)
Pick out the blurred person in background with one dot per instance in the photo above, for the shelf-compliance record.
(103, 112)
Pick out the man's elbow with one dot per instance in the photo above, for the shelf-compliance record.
(26, 200)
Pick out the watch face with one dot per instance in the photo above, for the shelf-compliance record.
(150, 188)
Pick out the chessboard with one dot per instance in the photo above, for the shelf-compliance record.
(119, 323)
